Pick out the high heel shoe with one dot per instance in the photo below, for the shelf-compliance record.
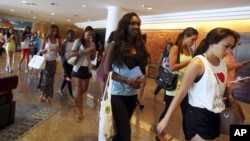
(141, 106)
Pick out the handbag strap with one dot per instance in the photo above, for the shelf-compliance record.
(108, 86)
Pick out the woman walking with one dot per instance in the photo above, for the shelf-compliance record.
(50, 46)
(85, 49)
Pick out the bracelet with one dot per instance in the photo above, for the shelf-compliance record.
(79, 52)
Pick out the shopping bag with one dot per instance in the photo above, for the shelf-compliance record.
(37, 62)
(106, 122)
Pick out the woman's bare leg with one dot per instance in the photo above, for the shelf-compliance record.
(9, 59)
(82, 87)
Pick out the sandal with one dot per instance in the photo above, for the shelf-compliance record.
(47, 99)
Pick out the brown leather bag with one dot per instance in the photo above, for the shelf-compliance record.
(233, 114)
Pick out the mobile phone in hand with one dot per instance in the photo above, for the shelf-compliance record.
(243, 79)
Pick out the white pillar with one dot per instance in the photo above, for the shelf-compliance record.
(113, 18)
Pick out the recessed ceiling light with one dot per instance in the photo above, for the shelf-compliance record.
(34, 17)
(12, 10)
(52, 14)
(55, 4)
(23, 1)
(83, 5)
(68, 20)
(149, 8)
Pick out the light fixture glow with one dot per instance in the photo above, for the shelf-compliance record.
(147, 7)
(12, 10)
(52, 14)
(24, 1)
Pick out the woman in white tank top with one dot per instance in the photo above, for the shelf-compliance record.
(206, 71)
(50, 46)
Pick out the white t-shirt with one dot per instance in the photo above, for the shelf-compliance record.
(68, 49)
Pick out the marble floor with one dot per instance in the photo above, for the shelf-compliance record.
(62, 125)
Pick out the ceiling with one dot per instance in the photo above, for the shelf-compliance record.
(72, 11)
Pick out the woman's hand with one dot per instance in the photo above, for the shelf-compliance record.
(238, 82)
(161, 127)
(135, 82)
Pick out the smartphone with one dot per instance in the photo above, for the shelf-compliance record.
(243, 79)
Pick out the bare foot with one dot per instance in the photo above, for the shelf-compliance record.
(79, 119)
(41, 98)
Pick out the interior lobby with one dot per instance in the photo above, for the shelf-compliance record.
(61, 124)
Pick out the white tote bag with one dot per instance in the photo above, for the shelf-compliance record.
(37, 62)
(106, 121)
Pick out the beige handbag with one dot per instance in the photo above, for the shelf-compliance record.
(72, 60)
(233, 114)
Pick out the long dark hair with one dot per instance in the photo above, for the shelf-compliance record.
(8, 33)
(88, 28)
(70, 31)
(214, 37)
(50, 30)
(189, 31)
(122, 49)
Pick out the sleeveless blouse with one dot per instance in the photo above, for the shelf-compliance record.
(51, 55)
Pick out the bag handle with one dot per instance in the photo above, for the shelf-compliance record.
(108, 86)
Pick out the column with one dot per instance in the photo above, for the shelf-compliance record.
(113, 18)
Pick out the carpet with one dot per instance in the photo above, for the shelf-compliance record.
(27, 116)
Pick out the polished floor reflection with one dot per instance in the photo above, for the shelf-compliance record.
(62, 126)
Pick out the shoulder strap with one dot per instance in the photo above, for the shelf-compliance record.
(108, 87)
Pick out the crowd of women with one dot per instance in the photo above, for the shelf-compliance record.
(199, 69)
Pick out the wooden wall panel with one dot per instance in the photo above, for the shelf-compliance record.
(155, 44)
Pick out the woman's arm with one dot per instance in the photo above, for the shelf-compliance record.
(194, 69)
(237, 65)
(107, 60)
(43, 50)
(8, 39)
(59, 49)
